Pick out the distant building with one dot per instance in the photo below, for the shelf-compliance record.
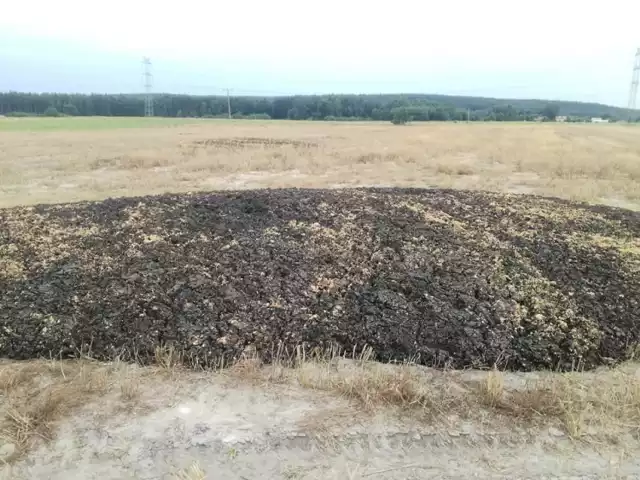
(539, 118)
(599, 120)
(561, 118)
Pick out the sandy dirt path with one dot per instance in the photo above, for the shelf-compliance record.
(214, 429)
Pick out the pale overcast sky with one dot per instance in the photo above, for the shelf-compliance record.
(561, 49)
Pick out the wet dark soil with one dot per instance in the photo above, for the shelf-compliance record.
(448, 278)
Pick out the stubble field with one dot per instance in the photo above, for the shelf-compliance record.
(71, 159)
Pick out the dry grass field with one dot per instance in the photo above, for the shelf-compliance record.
(65, 160)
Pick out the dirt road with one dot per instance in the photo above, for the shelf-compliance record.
(214, 428)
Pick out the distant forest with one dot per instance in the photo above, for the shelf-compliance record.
(417, 107)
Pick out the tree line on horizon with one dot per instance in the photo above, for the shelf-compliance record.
(386, 107)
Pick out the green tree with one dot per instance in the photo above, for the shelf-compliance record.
(420, 107)
(51, 112)
(70, 109)
(400, 116)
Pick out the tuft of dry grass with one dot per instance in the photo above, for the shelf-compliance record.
(374, 387)
(356, 376)
(598, 163)
(491, 389)
(192, 472)
(167, 357)
(37, 394)
(580, 402)
(129, 389)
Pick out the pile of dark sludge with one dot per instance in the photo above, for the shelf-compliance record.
(451, 278)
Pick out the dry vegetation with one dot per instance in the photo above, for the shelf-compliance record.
(600, 406)
(34, 395)
(599, 163)
(579, 403)
(193, 472)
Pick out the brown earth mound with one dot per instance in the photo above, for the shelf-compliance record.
(445, 277)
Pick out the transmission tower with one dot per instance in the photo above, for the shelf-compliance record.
(635, 79)
(148, 83)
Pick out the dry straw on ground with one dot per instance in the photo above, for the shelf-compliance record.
(37, 395)
(599, 163)
(193, 472)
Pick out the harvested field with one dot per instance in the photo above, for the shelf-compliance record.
(444, 277)
(55, 160)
